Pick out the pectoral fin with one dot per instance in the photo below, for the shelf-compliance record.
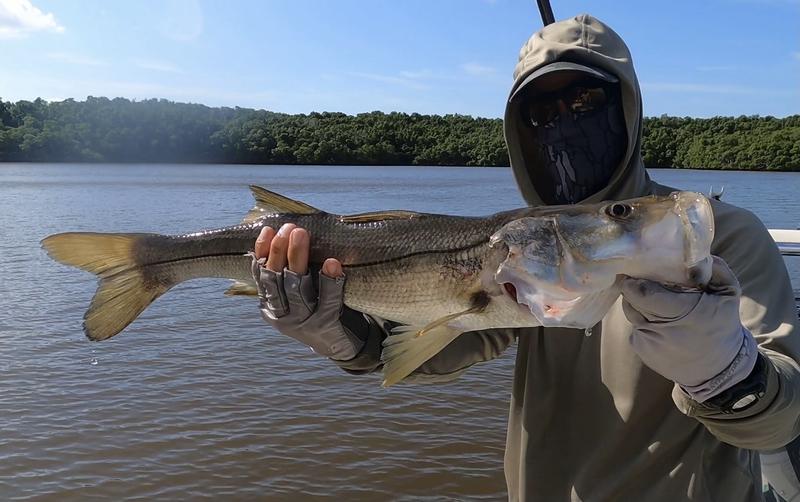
(407, 350)
(444, 320)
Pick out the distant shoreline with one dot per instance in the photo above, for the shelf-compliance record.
(366, 166)
(102, 131)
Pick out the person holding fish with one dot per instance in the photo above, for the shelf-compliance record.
(676, 388)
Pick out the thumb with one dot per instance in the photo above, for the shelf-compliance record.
(332, 268)
(723, 280)
(331, 292)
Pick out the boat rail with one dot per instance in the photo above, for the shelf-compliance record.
(788, 241)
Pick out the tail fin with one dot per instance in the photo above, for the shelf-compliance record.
(124, 290)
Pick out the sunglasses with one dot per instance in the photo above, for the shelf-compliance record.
(578, 99)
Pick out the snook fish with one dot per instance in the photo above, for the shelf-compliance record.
(439, 276)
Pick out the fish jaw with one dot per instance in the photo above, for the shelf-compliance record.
(697, 217)
(679, 242)
(567, 268)
(558, 292)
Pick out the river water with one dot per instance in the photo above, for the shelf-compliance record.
(199, 398)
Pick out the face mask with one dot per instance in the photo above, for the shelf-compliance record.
(580, 152)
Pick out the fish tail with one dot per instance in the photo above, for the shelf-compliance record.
(125, 289)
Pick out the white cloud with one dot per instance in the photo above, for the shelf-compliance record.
(713, 89)
(796, 56)
(768, 2)
(418, 74)
(32, 86)
(430, 75)
(404, 81)
(156, 65)
(717, 68)
(75, 59)
(426, 78)
(701, 88)
(20, 17)
(478, 70)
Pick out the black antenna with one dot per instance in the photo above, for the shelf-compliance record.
(546, 11)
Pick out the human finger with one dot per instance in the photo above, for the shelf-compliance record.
(263, 241)
(276, 261)
(332, 268)
(297, 255)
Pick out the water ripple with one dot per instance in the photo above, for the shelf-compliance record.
(199, 398)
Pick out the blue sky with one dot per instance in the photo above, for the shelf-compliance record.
(715, 57)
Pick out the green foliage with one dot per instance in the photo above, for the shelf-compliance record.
(120, 130)
(755, 143)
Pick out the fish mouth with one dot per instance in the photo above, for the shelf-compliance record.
(696, 217)
(511, 291)
(527, 293)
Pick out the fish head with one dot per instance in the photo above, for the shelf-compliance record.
(565, 263)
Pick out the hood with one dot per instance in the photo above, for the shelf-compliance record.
(586, 41)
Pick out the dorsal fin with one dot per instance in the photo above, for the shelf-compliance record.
(273, 203)
(379, 216)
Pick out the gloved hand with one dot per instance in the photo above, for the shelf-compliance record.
(289, 300)
(694, 338)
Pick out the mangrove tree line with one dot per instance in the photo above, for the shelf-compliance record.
(120, 130)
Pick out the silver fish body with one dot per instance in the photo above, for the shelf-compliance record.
(439, 275)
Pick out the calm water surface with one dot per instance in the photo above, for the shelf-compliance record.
(199, 398)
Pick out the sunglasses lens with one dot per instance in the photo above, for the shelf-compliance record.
(585, 99)
(576, 99)
(542, 112)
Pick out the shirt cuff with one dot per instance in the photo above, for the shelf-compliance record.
(741, 366)
(368, 358)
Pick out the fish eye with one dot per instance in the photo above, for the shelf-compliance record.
(619, 210)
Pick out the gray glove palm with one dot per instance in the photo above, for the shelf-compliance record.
(291, 304)
(694, 338)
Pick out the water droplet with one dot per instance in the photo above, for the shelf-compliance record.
(587, 332)
(93, 361)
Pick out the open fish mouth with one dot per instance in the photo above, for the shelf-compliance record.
(511, 290)
(552, 305)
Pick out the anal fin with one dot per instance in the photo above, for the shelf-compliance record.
(406, 351)
(239, 288)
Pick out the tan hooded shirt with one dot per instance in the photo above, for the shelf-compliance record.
(588, 420)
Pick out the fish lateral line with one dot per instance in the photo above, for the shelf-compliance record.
(189, 258)
(417, 253)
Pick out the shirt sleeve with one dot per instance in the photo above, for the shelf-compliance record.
(466, 350)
